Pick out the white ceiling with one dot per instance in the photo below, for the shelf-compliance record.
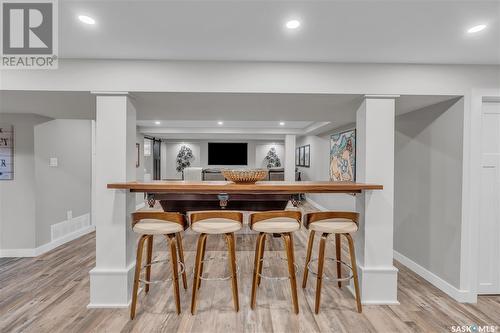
(195, 115)
(53, 104)
(183, 124)
(396, 31)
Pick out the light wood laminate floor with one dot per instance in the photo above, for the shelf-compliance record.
(50, 294)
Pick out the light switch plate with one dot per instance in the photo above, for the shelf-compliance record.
(53, 162)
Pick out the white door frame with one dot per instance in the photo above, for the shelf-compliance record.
(471, 190)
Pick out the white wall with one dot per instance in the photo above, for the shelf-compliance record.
(428, 188)
(261, 150)
(172, 149)
(17, 226)
(17, 196)
(65, 187)
(257, 150)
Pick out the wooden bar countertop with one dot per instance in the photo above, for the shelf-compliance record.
(230, 187)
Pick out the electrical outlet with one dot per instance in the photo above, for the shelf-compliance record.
(53, 162)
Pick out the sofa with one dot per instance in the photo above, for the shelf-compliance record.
(197, 173)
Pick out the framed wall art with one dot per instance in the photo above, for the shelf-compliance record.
(307, 156)
(303, 156)
(343, 156)
(6, 152)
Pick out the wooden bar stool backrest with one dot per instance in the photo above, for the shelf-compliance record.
(261, 216)
(216, 214)
(319, 216)
(162, 216)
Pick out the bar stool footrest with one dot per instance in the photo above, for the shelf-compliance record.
(277, 278)
(310, 269)
(180, 271)
(222, 278)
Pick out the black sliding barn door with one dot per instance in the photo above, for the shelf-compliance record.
(156, 159)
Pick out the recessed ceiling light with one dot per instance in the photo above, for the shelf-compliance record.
(157, 122)
(220, 123)
(477, 28)
(282, 123)
(292, 24)
(86, 19)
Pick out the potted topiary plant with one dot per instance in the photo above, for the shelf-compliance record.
(272, 159)
(184, 158)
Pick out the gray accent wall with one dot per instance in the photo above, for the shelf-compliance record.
(428, 188)
(66, 187)
(17, 196)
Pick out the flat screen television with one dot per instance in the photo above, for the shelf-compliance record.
(227, 153)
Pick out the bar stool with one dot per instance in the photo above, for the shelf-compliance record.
(215, 223)
(279, 224)
(149, 224)
(338, 223)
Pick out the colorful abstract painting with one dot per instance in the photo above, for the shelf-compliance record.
(343, 156)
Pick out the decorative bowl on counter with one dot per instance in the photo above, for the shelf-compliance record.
(248, 176)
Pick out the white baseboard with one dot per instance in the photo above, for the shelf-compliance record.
(462, 296)
(17, 253)
(110, 287)
(35, 252)
(108, 306)
(63, 240)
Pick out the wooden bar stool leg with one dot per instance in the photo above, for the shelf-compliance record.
(354, 271)
(175, 271)
(232, 264)
(261, 257)
(308, 258)
(291, 269)
(203, 250)
(256, 269)
(138, 262)
(148, 262)
(338, 247)
(196, 276)
(180, 249)
(319, 278)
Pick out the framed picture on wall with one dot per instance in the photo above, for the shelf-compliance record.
(343, 156)
(301, 155)
(6, 152)
(307, 156)
(138, 155)
(297, 159)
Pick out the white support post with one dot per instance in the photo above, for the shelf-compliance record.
(290, 158)
(375, 120)
(111, 279)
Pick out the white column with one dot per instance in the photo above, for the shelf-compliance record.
(375, 164)
(290, 157)
(111, 279)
